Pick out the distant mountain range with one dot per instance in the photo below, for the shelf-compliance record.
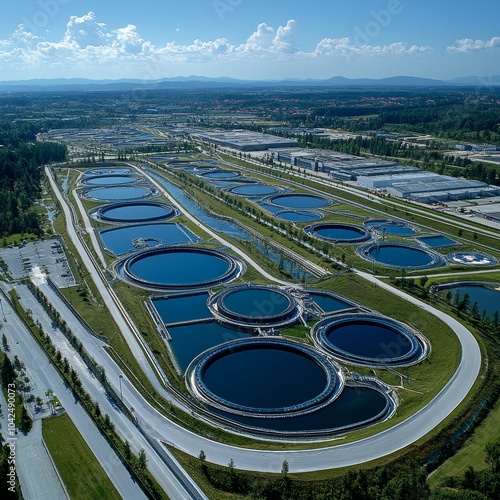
(71, 84)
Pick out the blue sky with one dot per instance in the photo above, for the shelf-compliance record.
(249, 39)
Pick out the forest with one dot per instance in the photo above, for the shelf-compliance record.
(21, 161)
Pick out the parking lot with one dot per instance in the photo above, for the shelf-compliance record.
(37, 260)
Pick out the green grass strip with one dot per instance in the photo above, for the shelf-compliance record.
(79, 469)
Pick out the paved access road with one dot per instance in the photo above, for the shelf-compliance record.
(43, 374)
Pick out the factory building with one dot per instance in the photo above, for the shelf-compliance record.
(243, 140)
(446, 190)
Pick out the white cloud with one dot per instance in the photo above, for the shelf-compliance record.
(127, 40)
(86, 31)
(89, 47)
(262, 39)
(284, 41)
(268, 40)
(469, 45)
(345, 47)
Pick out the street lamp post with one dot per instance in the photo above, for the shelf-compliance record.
(3, 314)
(121, 394)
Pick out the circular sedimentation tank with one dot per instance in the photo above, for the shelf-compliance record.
(220, 174)
(254, 306)
(179, 268)
(108, 171)
(146, 211)
(109, 180)
(400, 255)
(298, 215)
(391, 227)
(119, 193)
(339, 233)
(298, 201)
(469, 258)
(369, 340)
(253, 190)
(268, 377)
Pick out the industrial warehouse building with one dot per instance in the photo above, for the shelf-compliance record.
(243, 140)
(386, 176)
(340, 166)
(444, 190)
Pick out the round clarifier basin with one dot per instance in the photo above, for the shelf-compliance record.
(368, 340)
(220, 174)
(401, 256)
(298, 215)
(255, 305)
(119, 193)
(299, 201)
(339, 233)
(472, 259)
(108, 171)
(263, 376)
(135, 212)
(110, 180)
(180, 268)
(253, 190)
(390, 227)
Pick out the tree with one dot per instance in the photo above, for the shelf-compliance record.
(475, 310)
(285, 467)
(464, 303)
(423, 281)
(126, 450)
(8, 372)
(25, 420)
(470, 478)
(66, 366)
(142, 460)
(493, 456)
(5, 343)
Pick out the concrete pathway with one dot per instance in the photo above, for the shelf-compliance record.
(37, 475)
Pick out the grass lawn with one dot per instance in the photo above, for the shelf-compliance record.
(472, 453)
(79, 469)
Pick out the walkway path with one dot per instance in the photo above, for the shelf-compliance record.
(37, 475)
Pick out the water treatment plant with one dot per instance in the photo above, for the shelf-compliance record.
(214, 322)
(272, 289)
(267, 303)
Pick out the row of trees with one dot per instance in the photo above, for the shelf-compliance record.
(20, 176)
